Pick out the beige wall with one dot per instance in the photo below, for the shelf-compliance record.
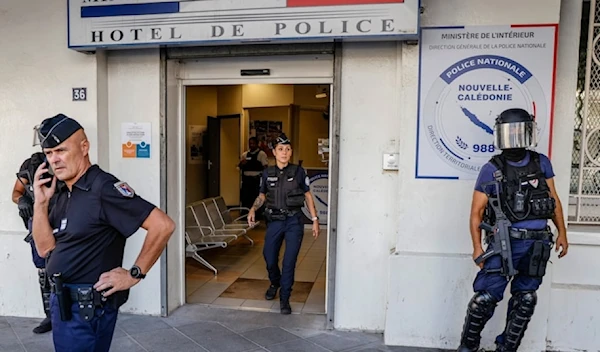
(263, 95)
(201, 102)
(229, 102)
(311, 125)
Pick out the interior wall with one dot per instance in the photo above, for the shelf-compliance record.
(229, 102)
(201, 102)
(312, 126)
(263, 95)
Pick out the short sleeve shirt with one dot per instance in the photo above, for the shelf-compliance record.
(91, 223)
(486, 174)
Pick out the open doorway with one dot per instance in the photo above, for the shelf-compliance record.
(224, 257)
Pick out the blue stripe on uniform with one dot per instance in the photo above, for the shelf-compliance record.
(130, 9)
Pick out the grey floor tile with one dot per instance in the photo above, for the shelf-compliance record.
(296, 346)
(340, 340)
(138, 324)
(9, 341)
(166, 340)
(227, 343)
(39, 346)
(304, 333)
(125, 344)
(199, 331)
(269, 336)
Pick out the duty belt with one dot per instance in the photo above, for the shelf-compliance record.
(283, 211)
(524, 234)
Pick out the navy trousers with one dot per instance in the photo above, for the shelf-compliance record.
(495, 284)
(77, 335)
(291, 230)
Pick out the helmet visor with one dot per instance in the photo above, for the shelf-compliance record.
(515, 135)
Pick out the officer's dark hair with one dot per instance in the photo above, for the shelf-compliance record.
(253, 139)
(514, 115)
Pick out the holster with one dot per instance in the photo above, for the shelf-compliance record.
(63, 297)
(272, 215)
(538, 255)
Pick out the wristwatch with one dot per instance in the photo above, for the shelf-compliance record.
(136, 272)
(315, 218)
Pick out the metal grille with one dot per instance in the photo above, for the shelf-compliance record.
(584, 203)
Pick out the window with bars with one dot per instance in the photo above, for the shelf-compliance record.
(584, 200)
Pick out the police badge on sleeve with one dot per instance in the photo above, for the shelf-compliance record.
(125, 189)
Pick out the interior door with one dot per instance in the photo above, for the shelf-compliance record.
(214, 156)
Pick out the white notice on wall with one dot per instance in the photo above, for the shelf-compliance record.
(467, 77)
(136, 139)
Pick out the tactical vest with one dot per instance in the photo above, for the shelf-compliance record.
(252, 164)
(283, 191)
(525, 195)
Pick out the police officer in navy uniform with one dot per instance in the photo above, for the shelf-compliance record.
(528, 198)
(252, 164)
(285, 188)
(22, 195)
(83, 238)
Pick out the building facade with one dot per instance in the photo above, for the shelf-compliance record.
(399, 256)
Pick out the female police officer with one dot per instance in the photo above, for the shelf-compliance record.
(285, 187)
(84, 237)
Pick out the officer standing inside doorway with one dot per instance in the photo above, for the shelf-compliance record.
(528, 199)
(252, 164)
(285, 188)
(83, 238)
(22, 195)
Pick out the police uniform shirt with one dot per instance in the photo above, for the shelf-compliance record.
(487, 175)
(90, 225)
(301, 178)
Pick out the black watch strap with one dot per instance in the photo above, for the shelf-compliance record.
(136, 272)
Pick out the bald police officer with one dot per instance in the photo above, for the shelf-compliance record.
(285, 188)
(83, 238)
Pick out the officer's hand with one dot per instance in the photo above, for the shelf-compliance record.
(316, 229)
(251, 217)
(115, 280)
(476, 253)
(561, 241)
(25, 207)
(42, 191)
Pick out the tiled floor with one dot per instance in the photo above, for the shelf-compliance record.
(201, 328)
(240, 260)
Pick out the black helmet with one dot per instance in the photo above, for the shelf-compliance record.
(281, 139)
(515, 129)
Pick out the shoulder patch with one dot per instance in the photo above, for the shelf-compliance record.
(125, 189)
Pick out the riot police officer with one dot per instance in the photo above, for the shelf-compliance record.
(252, 164)
(23, 197)
(285, 188)
(528, 199)
(83, 238)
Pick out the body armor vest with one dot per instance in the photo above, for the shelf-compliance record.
(283, 191)
(525, 195)
(253, 164)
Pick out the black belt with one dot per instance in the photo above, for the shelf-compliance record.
(283, 211)
(524, 234)
(77, 292)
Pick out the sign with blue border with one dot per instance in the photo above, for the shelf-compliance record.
(467, 77)
(152, 23)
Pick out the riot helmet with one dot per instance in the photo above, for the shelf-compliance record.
(515, 129)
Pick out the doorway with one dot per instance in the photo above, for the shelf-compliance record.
(224, 262)
(226, 268)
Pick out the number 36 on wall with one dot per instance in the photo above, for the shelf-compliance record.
(79, 94)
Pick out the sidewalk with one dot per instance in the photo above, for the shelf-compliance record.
(201, 328)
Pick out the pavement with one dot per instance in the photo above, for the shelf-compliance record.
(203, 328)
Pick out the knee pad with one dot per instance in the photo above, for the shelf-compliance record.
(519, 314)
(480, 309)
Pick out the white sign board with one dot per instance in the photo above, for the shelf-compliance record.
(467, 77)
(136, 139)
(110, 23)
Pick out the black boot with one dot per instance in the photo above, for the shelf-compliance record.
(271, 292)
(45, 326)
(480, 310)
(285, 307)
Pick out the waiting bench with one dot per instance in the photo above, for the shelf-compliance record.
(208, 224)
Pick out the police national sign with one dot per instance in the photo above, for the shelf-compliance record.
(468, 76)
(109, 23)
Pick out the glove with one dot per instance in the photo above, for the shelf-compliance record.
(25, 207)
